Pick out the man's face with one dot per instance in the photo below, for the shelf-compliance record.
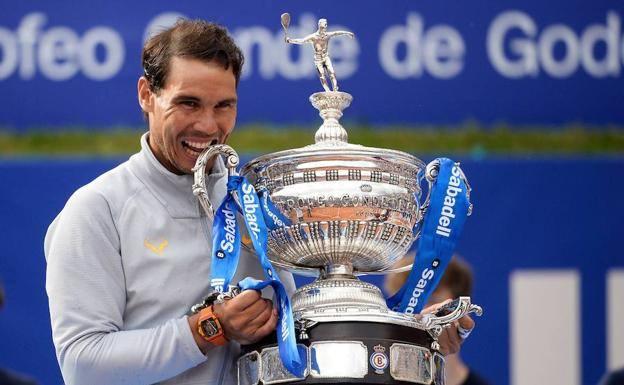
(195, 109)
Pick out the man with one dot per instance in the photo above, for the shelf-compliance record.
(129, 254)
(457, 281)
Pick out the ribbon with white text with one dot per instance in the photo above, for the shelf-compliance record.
(442, 225)
(225, 245)
(273, 218)
(251, 208)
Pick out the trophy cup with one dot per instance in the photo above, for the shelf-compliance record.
(349, 210)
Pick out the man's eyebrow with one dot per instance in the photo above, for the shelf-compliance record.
(178, 98)
(229, 100)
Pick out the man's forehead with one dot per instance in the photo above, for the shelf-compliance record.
(191, 72)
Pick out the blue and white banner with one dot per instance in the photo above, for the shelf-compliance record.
(226, 249)
(449, 206)
(534, 62)
(226, 243)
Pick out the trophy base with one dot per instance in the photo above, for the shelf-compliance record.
(348, 352)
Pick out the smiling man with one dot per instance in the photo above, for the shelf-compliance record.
(194, 109)
(130, 252)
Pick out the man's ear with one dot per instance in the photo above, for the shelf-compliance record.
(145, 95)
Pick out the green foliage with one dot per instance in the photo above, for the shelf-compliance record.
(70, 142)
(469, 138)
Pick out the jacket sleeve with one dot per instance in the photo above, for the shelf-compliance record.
(86, 289)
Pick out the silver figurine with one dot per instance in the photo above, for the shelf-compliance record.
(320, 43)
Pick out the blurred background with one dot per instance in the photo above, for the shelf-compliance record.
(528, 95)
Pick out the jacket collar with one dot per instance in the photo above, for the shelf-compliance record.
(175, 191)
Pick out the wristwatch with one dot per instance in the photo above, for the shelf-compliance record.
(209, 327)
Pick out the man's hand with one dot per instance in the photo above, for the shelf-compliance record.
(246, 318)
(450, 341)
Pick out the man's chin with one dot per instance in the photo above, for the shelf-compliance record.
(187, 167)
(186, 162)
(181, 166)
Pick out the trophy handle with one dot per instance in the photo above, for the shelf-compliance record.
(199, 187)
(431, 174)
(435, 323)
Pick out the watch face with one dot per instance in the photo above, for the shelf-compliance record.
(209, 327)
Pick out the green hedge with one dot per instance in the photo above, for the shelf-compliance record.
(465, 139)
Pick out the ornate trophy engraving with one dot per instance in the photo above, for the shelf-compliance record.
(348, 210)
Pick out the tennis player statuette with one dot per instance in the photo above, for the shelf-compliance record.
(336, 210)
(320, 43)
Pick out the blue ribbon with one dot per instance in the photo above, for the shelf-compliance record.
(441, 228)
(224, 262)
(225, 245)
(272, 216)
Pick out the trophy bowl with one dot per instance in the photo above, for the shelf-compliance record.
(348, 205)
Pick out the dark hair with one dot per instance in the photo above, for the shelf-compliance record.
(457, 277)
(196, 39)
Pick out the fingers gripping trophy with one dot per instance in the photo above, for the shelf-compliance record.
(335, 211)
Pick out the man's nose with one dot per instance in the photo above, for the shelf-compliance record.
(207, 122)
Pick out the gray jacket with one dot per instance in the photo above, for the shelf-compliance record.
(126, 258)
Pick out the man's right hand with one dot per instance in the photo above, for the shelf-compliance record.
(246, 318)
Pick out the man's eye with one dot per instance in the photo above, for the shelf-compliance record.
(225, 105)
(189, 103)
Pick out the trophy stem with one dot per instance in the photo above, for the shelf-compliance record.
(330, 105)
(337, 271)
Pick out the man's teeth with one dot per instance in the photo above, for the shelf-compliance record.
(198, 146)
(195, 148)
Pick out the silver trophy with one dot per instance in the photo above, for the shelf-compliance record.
(352, 211)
